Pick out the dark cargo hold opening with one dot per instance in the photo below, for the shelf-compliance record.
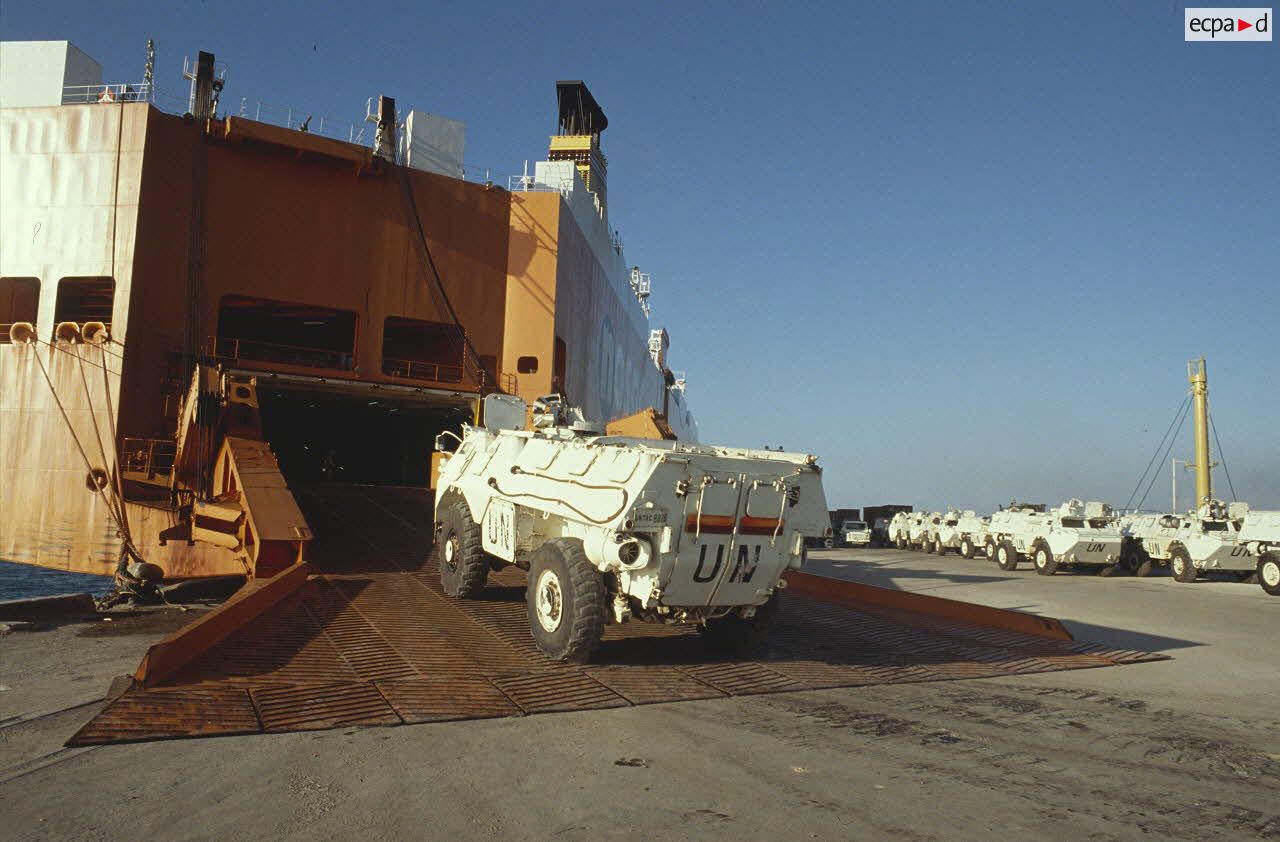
(356, 433)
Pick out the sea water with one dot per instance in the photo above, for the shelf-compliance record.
(21, 581)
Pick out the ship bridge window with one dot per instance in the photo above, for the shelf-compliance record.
(83, 300)
(422, 350)
(19, 302)
(286, 332)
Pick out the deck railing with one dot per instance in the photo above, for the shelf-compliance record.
(233, 348)
(419, 370)
(147, 460)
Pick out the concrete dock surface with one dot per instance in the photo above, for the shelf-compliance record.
(1187, 748)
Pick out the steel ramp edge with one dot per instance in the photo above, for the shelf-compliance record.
(856, 594)
(167, 657)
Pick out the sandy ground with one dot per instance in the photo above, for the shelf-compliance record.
(1182, 749)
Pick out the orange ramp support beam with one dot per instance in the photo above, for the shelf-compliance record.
(854, 594)
(165, 658)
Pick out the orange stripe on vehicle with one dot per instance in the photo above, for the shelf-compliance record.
(760, 525)
(718, 524)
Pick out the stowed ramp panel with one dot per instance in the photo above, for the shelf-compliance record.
(374, 641)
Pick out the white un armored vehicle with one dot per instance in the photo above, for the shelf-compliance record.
(899, 527)
(920, 528)
(1204, 540)
(1076, 534)
(1260, 534)
(963, 532)
(613, 529)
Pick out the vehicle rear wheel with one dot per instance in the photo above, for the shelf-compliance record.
(1042, 558)
(459, 553)
(966, 547)
(1269, 573)
(1145, 569)
(828, 543)
(1006, 556)
(566, 601)
(939, 547)
(926, 546)
(1180, 562)
(733, 632)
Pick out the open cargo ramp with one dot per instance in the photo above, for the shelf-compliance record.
(364, 635)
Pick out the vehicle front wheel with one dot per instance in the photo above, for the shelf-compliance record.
(966, 547)
(989, 549)
(1269, 573)
(939, 547)
(1180, 562)
(1006, 556)
(459, 552)
(900, 543)
(926, 546)
(566, 600)
(1045, 563)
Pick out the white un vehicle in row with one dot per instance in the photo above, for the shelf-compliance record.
(1075, 534)
(614, 529)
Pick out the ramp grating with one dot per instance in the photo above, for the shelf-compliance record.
(373, 640)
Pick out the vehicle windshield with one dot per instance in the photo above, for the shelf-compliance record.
(1213, 525)
(854, 524)
(1073, 522)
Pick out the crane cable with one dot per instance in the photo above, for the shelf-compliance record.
(1154, 456)
(1222, 457)
(425, 253)
(1154, 474)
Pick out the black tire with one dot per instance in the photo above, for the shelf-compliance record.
(966, 547)
(566, 601)
(989, 549)
(1269, 573)
(939, 547)
(1043, 561)
(1145, 569)
(459, 552)
(926, 546)
(1134, 557)
(1006, 556)
(1180, 562)
(900, 543)
(733, 633)
(828, 543)
(1107, 570)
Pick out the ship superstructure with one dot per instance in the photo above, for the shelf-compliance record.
(181, 280)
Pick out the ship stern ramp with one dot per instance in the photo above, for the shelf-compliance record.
(363, 634)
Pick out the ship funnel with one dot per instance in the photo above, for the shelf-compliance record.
(67, 332)
(22, 333)
(95, 333)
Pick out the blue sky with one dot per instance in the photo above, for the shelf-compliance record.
(960, 250)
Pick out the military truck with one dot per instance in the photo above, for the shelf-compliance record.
(1199, 541)
(1075, 535)
(855, 533)
(614, 529)
(963, 532)
(1260, 533)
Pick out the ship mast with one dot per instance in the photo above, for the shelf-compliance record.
(1198, 376)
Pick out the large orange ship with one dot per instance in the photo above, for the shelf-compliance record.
(202, 311)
